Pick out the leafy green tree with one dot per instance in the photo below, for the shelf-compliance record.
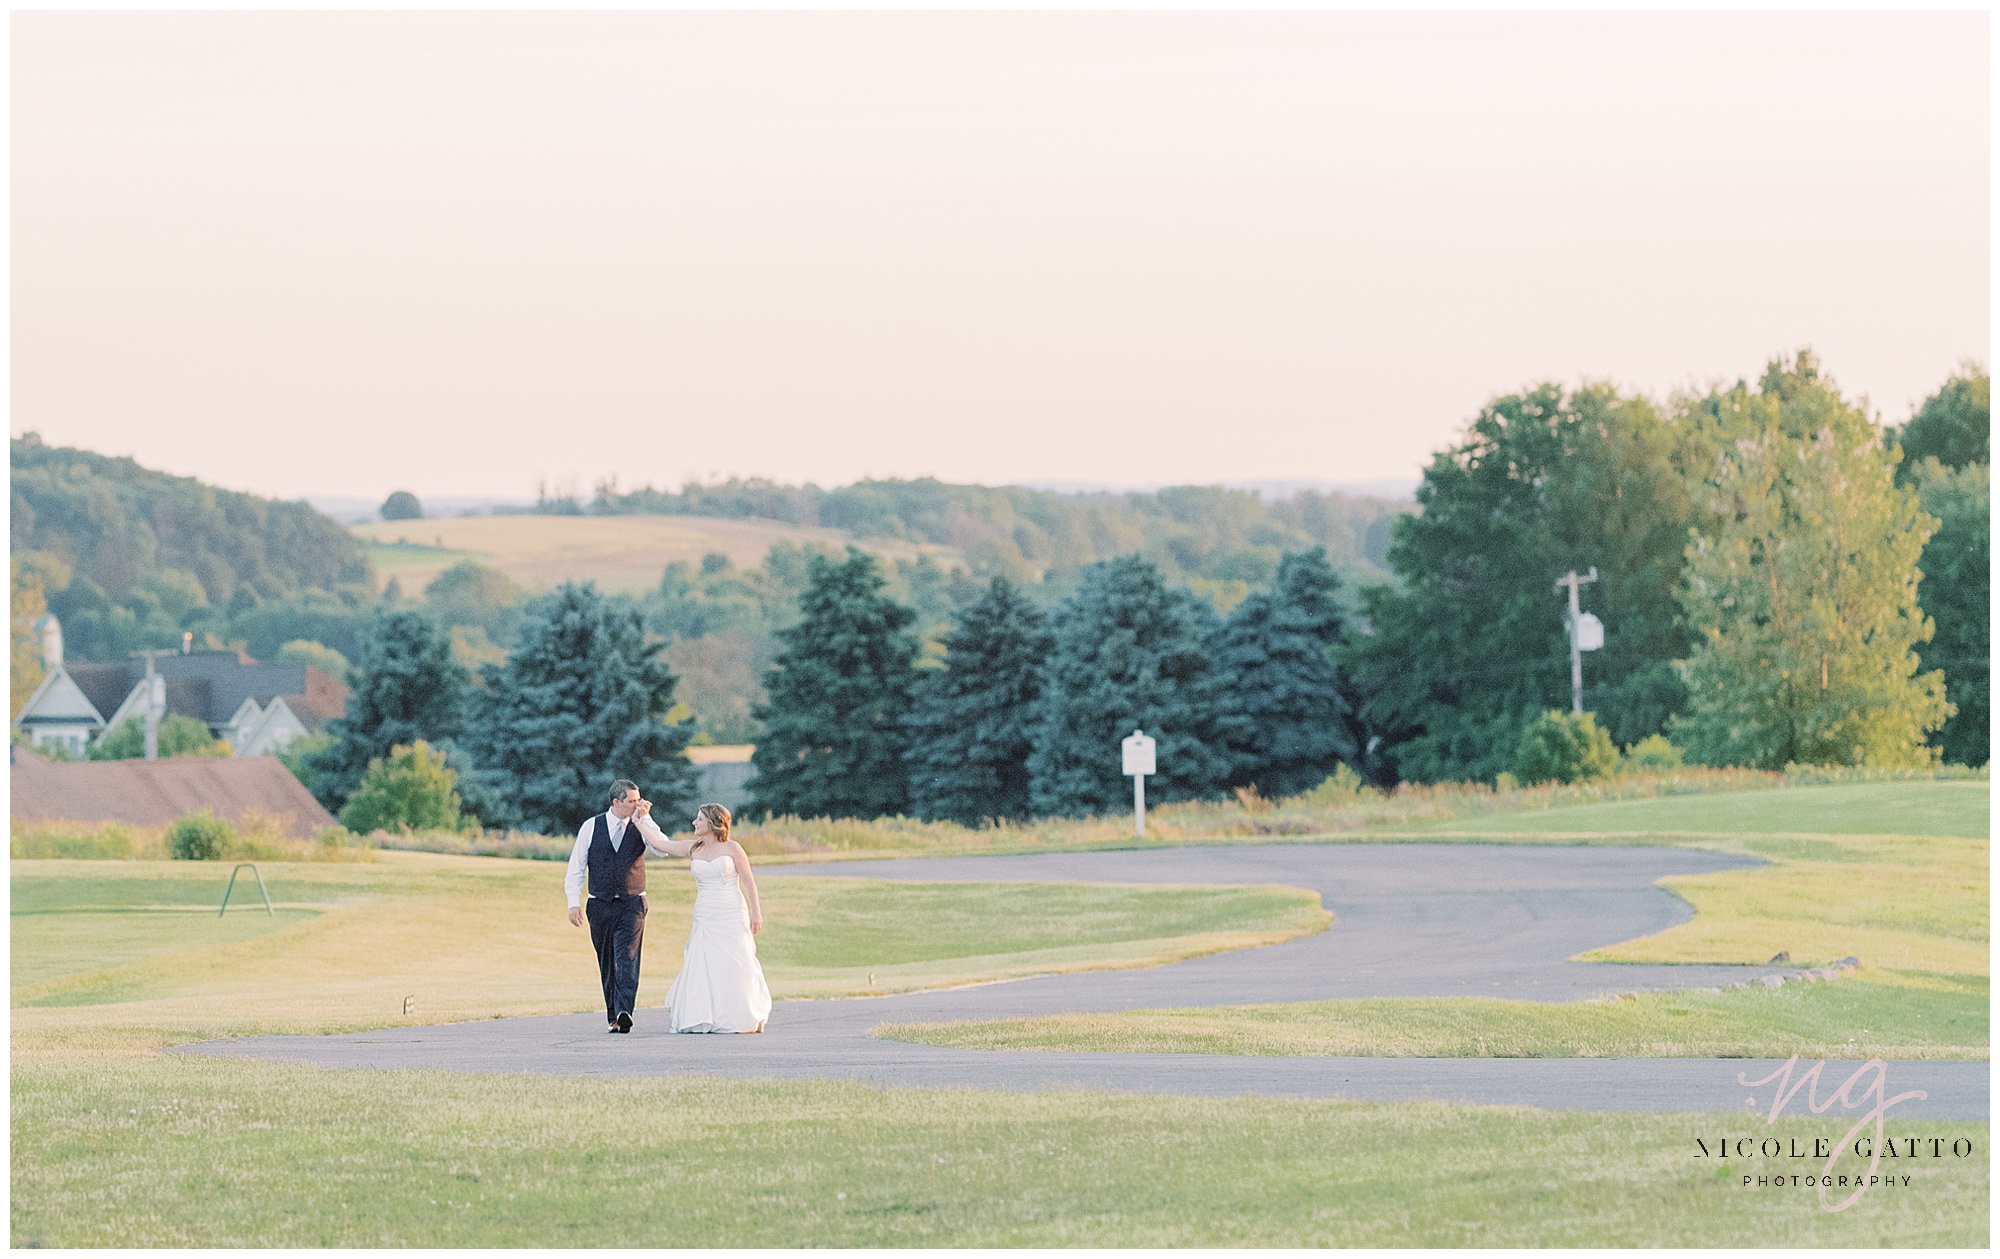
(117, 524)
(1128, 653)
(1470, 646)
(27, 606)
(833, 728)
(178, 735)
(1802, 590)
(405, 687)
(297, 757)
(1284, 713)
(1955, 592)
(1954, 426)
(582, 702)
(319, 655)
(1565, 748)
(402, 505)
(473, 594)
(409, 791)
(969, 726)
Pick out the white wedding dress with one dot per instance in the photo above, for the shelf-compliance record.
(721, 987)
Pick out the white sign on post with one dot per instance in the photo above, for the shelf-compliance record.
(1139, 763)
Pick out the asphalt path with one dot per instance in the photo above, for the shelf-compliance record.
(1410, 920)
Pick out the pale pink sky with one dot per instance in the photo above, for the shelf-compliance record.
(299, 253)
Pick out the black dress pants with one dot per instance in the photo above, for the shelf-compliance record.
(617, 928)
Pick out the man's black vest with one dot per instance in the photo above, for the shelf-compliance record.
(620, 871)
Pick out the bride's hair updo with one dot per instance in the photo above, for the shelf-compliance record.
(718, 820)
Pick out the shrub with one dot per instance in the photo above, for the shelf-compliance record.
(199, 836)
(1342, 786)
(179, 735)
(1652, 754)
(1565, 748)
(77, 841)
(410, 791)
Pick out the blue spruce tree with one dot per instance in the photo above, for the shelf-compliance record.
(970, 722)
(1283, 711)
(406, 686)
(833, 728)
(1127, 654)
(581, 703)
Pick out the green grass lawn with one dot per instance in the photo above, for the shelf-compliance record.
(472, 937)
(116, 1143)
(1829, 1020)
(159, 1151)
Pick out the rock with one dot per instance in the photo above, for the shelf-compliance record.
(1774, 981)
(1738, 986)
(1848, 963)
(1782, 959)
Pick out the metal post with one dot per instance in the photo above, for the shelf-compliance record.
(232, 887)
(1571, 581)
(154, 686)
(1139, 803)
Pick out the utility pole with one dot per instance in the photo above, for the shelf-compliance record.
(156, 703)
(1572, 582)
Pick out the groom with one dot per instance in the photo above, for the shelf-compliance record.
(611, 849)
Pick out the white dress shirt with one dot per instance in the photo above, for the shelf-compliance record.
(579, 856)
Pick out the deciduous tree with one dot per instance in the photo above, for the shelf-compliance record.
(1956, 590)
(1470, 646)
(1802, 590)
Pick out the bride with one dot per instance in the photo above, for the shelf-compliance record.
(721, 987)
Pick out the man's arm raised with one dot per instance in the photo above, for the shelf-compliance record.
(656, 839)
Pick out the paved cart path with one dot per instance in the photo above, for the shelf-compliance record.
(1410, 920)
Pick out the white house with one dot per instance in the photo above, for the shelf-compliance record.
(258, 708)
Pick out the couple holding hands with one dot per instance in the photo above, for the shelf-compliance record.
(721, 987)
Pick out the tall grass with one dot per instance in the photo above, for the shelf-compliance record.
(255, 836)
(1339, 807)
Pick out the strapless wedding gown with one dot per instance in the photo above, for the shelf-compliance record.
(721, 987)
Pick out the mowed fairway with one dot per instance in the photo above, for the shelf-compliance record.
(114, 1143)
(624, 554)
(1892, 873)
(1895, 874)
(476, 937)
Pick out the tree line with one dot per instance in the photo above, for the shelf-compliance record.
(1782, 581)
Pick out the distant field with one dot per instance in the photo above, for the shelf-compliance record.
(623, 554)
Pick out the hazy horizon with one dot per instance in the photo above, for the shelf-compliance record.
(308, 254)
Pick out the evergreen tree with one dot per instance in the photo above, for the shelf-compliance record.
(405, 687)
(1802, 591)
(833, 728)
(1127, 653)
(1469, 647)
(969, 723)
(1955, 592)
(581, 703)
(1283, 711)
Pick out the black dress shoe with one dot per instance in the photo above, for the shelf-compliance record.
(613, 1029)
(624, 1022)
